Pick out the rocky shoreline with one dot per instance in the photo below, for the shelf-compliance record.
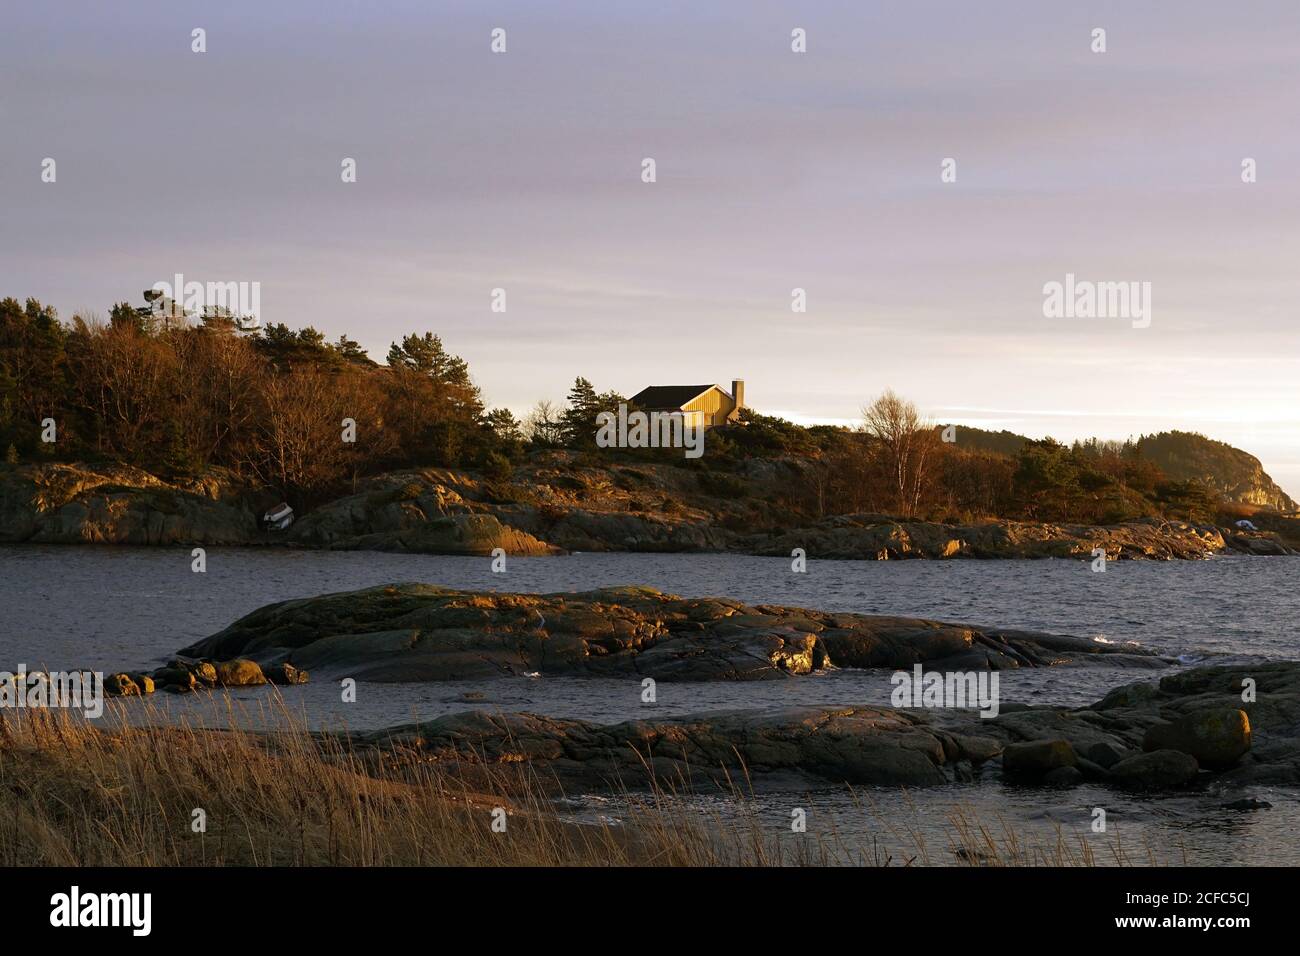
(1192, 729)
(447, 512)
(1231, 725)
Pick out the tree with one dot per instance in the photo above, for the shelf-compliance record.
(350, 351)
(906, 444)
(1047, 479)
(578, 423)
(434, 404)
(32, 368)
(219, 402)
(542, 425)
(504, 426)
(298, 445)
(122, 383)
(287, 348)
(124, 315)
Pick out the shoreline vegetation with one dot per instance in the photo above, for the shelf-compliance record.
(131, 430)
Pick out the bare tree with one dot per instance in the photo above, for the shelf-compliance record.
(217, 405)
(124, 379)
(907, 444)
(543, 425)
(299, 445)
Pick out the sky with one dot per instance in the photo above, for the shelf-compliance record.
(775, 170)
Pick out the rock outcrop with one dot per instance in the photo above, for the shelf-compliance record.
(556, 507)
(401, 513)
(1236, 725)
(879, 537)
(116, 504)
(182, 675)
(422, 632)
(1039, 746)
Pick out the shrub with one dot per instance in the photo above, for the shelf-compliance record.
(497, 466)
(722, 486)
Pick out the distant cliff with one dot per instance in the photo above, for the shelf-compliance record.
(1228, 472)
(1234, 474)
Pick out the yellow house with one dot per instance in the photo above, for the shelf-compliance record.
(707, 405)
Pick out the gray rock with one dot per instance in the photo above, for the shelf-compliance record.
(1159, 769)
(1063, 777)
(284, 673)
(1106, 754)
(1038, 757)
(1130, 695)
(1216, 737)
(846, 745)
(1247, 803)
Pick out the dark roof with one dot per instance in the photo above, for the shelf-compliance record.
(668, 396)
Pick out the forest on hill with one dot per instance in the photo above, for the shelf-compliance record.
(268, 407)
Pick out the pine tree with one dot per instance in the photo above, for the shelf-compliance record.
(579, 419)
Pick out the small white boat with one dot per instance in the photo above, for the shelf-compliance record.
(1246, 525)
(278, 518)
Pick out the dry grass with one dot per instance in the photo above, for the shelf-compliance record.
(76, 795)
(126, 795)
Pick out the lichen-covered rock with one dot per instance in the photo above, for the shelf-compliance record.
(144, 682)
(419, 632)
(410, 513)
(121, 685)
(239, 673)
(1216, 737)
(118, 504)
(868, 744)
(850, 745)
(880, 537)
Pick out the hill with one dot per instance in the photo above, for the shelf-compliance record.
(1234, 474)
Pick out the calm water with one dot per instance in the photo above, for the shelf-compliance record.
(120, 608)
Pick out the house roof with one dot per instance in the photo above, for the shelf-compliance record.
(670, 396)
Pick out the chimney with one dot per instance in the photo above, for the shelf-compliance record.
(738, 393)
